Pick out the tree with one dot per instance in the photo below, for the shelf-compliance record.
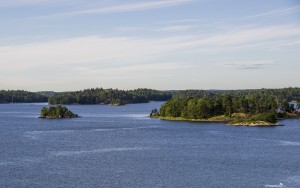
(191, 109)
(227, 104)
(44, 112)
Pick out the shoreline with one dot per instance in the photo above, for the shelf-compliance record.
(227, 121)
(193, 120)
(58, 117)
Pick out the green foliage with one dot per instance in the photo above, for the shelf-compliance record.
(57, 112)
(173, 108)
(117, 102)
(284, 93)
(109, 96)
(281, 115)
(267, 117)
(20, 96)
(259, 105)
(44, 112)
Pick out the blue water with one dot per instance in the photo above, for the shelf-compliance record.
(119, 147)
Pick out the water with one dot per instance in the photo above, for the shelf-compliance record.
(120, 147)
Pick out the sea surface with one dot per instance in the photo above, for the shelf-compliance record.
(111, 146)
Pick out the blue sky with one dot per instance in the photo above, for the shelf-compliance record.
(66, 45)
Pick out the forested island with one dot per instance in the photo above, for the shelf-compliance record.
(240, 107)
(20, 96)
(57, 112)
(110, 96)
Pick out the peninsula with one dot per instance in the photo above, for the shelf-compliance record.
(239, 108)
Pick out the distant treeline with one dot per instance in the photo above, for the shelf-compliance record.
(115, 96)
(284, 93)
(20, 96)
(206, 104)
(109, 96)
(47, 93)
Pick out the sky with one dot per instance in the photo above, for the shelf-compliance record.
(68, 45)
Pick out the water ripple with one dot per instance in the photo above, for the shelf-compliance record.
(35, 135)
(105, 150)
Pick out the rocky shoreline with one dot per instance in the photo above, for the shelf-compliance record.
(227, 121)
(59, 117)
(255, 124)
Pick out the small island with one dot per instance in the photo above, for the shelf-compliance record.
(57, 112)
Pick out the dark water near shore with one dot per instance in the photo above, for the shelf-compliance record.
(119, 147)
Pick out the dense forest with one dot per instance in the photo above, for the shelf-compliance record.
(282, 94)
(20, 96)
(109, 96)
(263, 104)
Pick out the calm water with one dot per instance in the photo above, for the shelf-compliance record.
(120, 147)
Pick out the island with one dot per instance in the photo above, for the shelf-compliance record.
(244, 109)
(57, 112)
(114, 97)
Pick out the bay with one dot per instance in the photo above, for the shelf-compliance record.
(118, 146)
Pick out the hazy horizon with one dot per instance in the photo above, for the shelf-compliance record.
(151, 88)
(68, 45)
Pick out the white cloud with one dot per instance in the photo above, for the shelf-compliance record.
(130, 29)
(5, 3)
(130, 50)
(135, 68)
(129, 7)
(241, 37)
(82, 50)
(176, 28)
(180, 21)
(278, 12)
(250, 64)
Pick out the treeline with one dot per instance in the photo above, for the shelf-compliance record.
(20, 96)
(47, 93)
(282, 94)
(120, 97)
(254, 102)
(109, 96)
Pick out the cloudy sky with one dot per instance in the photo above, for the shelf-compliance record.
(65, 45)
